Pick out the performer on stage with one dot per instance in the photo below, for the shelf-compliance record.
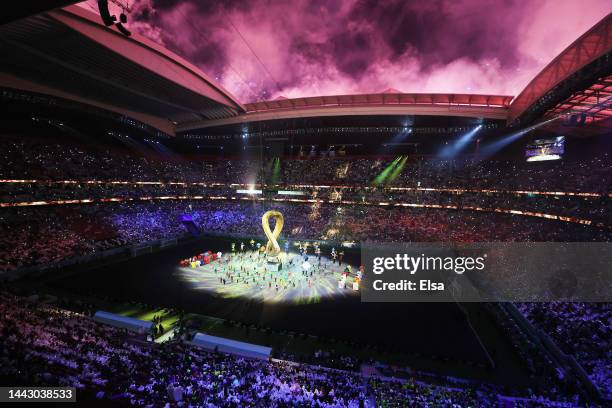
(247, 270)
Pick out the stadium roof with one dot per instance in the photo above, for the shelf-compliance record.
(379, 99)
(465, 105)
(595, 102)
(565, 71)
(69, 53)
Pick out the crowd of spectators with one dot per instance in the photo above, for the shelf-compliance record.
(391, 393)
(26, 158)
(536, 360)
(47, 346)
(394, 394)
(597, 209)
(65, 348)
(44, 235)
(458, 173)
(50, 161)
(44, 345)
(583, 330)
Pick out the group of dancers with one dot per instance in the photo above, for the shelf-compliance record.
(304, 248)
(245, 267)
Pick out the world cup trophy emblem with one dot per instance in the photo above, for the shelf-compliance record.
(272, 248)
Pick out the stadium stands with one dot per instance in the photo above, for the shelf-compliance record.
(45, 345)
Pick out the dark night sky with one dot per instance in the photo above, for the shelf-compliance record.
(262, 49)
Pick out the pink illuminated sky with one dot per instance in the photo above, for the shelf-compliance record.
(263, 49)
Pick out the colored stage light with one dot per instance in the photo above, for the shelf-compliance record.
(382, 177)
(276, 171)
(397, 170)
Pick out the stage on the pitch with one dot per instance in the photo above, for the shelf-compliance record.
(301, 279)
(157, 279)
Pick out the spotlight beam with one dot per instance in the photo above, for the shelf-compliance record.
(401, 135)
(492, 148)
(452, 150)
(397, 170)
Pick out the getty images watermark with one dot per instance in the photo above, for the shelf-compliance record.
(486, 272)
(413, 264)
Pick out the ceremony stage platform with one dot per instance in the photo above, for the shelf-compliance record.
(301, 280)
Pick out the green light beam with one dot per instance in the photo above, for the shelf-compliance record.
(397, 170)
(385, 173)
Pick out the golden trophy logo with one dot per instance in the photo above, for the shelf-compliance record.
(272, 247)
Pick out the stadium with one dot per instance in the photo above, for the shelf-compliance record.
(209, 204)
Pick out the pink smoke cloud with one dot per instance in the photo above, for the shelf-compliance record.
(264, 49)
